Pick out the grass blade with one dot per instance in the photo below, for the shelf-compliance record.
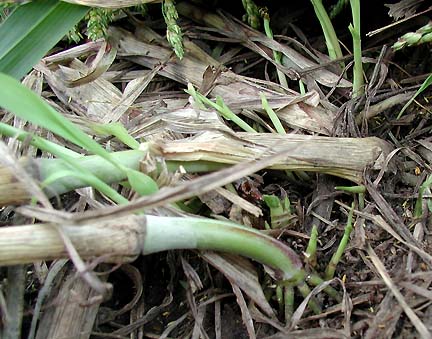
(424, 86)
(26, 104)
(32, 30)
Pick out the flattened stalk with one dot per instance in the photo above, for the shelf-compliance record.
(122, 239)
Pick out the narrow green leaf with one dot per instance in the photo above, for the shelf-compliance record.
(141, 183)
(41, 143)
(26, 104)
(272, 115)
(88, 177)
(32, 30)
(119, 131)
(424, 85)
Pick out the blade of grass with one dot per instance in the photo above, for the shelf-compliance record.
(32, 30)
(219, 106)
(311, 250)
(354, 28)
(272, 115)
(331, 267)
(26, 104)
(277, 56)
(118, 130)
(331, 39)
(41, 143)
(423, 87)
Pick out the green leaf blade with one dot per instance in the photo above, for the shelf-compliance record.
(32, 30)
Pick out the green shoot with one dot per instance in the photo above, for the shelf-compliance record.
(352, 189)
(302, 87)
(224, 236)
(89, 179)
(280, 211)
(289, 302)
(358, 80)
(276, 55)
(311, 250)
(422, 88)
(272, 115)
(220, 107)
(330, 36)
(38, 142)
(118, 130)
(331, 267)
(27, 105)
(360, 190)
(305, 290)
(315, 280)
(418, 210)
(280, 298)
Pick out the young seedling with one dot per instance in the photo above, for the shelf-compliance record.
(27, 105)
(354, 28)
(311, 249)
(276, 55)
(423, 87)
(272, 115)
(418, 210)
(330, 36)
(280, 211)
(360, 190)
(220, 107)
(331, 268)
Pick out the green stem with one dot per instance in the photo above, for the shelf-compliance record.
(352, 189)
(219, 106)
(276, 55)
(354, 28)
(41, 143)
(311, 249)
(331, 39)
(331, 268)
(315, 280)
(280, 298)
(99, 167)
(167, 233)
(272, 115)
(90, 180)
(289, 302)
(305, 291)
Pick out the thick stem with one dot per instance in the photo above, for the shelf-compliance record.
(124, 238)
(13, 191)
(164, 233)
